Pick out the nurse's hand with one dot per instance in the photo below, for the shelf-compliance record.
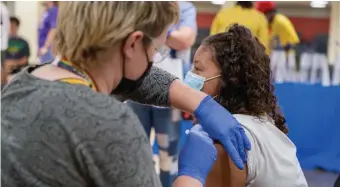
(222, 126)
(197, 156)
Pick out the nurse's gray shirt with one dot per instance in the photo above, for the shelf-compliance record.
(58, 134)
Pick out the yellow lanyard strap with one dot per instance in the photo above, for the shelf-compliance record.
(77, 81)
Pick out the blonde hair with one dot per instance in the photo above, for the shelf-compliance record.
(88, 30)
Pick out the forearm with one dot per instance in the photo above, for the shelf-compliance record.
(181, 39)
(50, 37)
(154, 89)
(184, 98)
(161, 88)
(185, 181)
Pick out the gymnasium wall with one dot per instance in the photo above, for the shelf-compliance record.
(303, 25)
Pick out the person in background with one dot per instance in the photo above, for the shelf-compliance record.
(180, 38)
(245, 14)
(47, 31)
(234, 68)
(4, 31)
(279, 25)
(17, 53)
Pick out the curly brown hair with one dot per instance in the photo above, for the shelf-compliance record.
(246, 86)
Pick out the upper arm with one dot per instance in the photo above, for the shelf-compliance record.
(238, 178)
(118, 153)
(154, 89)
(224, 172)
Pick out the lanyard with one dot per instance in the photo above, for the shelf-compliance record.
(67, 65)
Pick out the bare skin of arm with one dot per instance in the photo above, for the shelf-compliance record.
(186, 102)
(182, 38)
(224, 172)
(50, 37)
(185, 181)
(3, 76)
(49, 40)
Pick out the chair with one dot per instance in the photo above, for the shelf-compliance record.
(278, 65)
(291, 73)
(320, 69)
(306, 61)
(320, 61)
(336, 72)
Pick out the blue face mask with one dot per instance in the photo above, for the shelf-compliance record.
(195, 81)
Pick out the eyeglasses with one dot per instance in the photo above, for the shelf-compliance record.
(161, 54)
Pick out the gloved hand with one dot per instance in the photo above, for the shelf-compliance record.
(197, 156)
(222, 126)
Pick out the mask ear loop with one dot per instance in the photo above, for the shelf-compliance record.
(216, 96)
(211, 78)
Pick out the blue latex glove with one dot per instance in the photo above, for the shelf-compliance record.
(197, 156)
(222, 126)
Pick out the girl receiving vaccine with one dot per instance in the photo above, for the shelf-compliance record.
(233, 68)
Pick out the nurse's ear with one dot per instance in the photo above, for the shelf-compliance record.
(133, 44)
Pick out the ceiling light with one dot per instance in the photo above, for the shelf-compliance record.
(318, 4)
(218, 2)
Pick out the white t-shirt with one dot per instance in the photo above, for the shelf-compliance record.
(4, 26)
(272, 160)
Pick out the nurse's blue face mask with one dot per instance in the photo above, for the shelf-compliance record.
(195, 81)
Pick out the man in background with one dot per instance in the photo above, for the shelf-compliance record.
(281, 34)
(18, 52)
(47, 30)
(279, 25)
(244, 14)
(166, 120)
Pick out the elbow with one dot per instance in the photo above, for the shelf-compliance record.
(182, 39)
(185, 44)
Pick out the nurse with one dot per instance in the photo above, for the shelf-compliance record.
(60, 127)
